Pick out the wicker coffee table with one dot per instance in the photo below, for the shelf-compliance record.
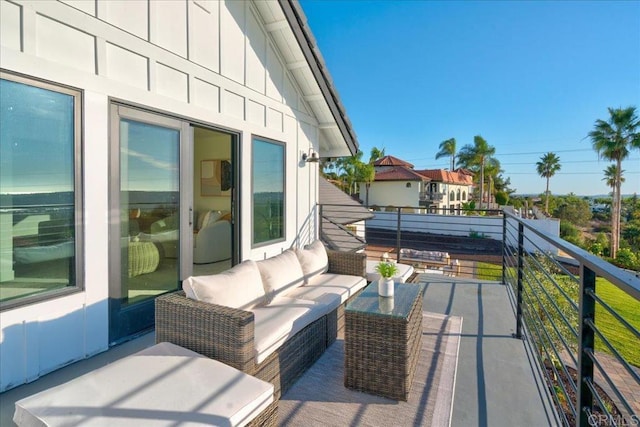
(382, 340)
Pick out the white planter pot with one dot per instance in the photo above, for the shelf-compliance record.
(385, 287)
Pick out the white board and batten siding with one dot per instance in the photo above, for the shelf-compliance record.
(208, 61)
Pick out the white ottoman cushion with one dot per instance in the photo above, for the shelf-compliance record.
(164, 385)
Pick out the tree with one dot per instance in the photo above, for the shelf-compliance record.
(613, 140)
(448, 149)
(610, 176)
(474, 157)
(349, 171)
(548, 165)
(376, 154)
(367, 172)
(573, 209)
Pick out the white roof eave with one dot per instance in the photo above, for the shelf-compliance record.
(305, 64)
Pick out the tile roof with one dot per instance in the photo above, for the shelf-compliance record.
(450, 177)
(392, 161)
(400, 173)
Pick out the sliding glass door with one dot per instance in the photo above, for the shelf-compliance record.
(146, 210)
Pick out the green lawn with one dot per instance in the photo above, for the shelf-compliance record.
(629, 309)
(488, 271)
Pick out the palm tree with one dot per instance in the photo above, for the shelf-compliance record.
(476, 155)
(548, 165)
(376, 154)
(368, 173)
(610, 174)
(613, 140)
(448, 149)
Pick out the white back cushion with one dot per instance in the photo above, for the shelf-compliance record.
(313, 260)
(280, 273)
(239, 287)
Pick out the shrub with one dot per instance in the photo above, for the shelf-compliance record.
(570, 233)
(596, 249)
(627, 259)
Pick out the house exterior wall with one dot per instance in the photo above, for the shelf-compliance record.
(393, 193)
(211, 62)
(447, 201)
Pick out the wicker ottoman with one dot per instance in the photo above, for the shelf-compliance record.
(143, 258)
(382, 340)
(164, 385)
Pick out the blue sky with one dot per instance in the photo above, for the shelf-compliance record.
(530, 77)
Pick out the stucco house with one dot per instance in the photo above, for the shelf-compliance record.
(397, 183)
(142, 143)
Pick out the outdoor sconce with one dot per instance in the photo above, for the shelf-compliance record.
(312, 157)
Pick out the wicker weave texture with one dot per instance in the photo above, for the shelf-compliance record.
(284, 366)
(381, 352)
(267, 418)
(222, 333)
(350, 263)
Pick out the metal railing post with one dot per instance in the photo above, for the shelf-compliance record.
(398, 235)
(504, 248)
(585, 342)
(320, 222)
(520, 278)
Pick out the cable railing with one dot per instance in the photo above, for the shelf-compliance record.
(459, 243)
(576, 310)
(578, 313)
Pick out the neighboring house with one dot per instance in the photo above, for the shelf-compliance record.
(135, 135)
(342, 226)
(447, 190)
(397, 183)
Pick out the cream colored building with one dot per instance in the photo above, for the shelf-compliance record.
(397, 183)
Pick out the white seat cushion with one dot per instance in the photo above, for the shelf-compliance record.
(239, 287)
(164, 385)
(342, 285)
(313, 260)
(280, 319)
(280, 273)
(404, 272)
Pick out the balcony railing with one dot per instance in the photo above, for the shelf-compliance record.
(431, 196)
(577, 312)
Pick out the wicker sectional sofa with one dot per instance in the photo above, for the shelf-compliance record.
(275, 335)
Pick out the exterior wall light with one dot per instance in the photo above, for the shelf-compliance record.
(312, 157)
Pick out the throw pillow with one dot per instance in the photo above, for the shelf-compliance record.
(313, 260)
(280, 273)
(239, 287)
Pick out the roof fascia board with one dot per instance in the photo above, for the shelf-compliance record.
(294, 14)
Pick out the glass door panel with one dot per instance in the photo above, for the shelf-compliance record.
(147, 202)
(149, 208)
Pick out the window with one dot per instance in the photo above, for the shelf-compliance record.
(40, 194)
(464, 195)
(458, 195)
(452, 196)
(408, 185)
(268, 191)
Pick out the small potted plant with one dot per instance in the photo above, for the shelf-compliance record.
(386, 269)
